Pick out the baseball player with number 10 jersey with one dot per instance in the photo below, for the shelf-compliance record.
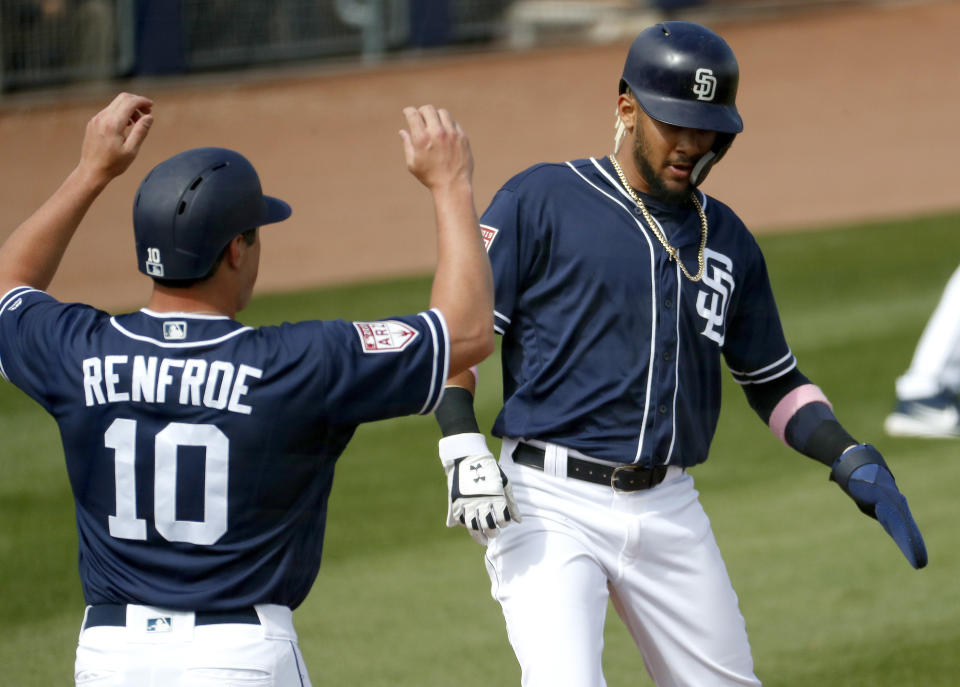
(201, 451)
(619, 287)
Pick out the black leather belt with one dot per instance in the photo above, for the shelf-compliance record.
(620, 477)
(115, 615)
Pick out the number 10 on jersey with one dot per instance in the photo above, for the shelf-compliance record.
(121, 436)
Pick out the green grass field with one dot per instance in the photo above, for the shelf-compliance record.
(401, 600)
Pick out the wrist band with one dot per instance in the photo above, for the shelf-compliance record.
(455, 412)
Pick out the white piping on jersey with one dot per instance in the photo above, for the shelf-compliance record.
(676, 374)
(623, 192)
(427, 406)
(614, 182)
(507, 320)
(191, 315)
(676, 369)
(7, 299)
(8, 296)
(653, 296)
(767, 379)
(182, 344)
(765, 369)
(676, 355)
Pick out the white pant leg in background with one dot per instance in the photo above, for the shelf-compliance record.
(188, 655)
(653, 549)
(935, 365)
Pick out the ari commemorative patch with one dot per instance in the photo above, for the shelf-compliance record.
(489, 234)
(386, 336)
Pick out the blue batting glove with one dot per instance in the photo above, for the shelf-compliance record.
(862, 473)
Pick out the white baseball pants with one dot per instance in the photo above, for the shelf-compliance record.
(935, 365)
(651, 552)
(182, 654)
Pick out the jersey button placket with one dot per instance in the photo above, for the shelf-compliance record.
(664, 377)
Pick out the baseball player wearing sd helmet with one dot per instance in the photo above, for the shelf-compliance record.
(201, 451)
(619, 287)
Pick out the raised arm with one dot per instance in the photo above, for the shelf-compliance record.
(31, 254)
(438, 154)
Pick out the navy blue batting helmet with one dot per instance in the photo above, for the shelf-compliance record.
(188, 208)
(684, 74)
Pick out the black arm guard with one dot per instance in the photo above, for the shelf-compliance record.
(455, 413)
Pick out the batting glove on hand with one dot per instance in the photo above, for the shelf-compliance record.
(480, 496)
(862, 473)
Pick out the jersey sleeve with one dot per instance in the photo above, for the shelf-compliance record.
(500, 227)
(355, 372)
(34, 328)
(755, 348)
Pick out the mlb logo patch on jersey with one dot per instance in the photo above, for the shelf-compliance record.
(387, 336)
(175, 330)
(162, 624)
(489, 234)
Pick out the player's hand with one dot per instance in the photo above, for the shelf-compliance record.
(480, 496)
(113, 137)
(862, 473)
(436, 147)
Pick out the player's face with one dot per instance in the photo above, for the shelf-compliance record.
(666, 154)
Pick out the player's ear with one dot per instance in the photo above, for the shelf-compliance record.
(236, 249)
(627, 110)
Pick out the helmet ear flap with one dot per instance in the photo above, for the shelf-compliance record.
(720, 146)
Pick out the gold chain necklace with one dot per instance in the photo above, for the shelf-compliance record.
(671, 251)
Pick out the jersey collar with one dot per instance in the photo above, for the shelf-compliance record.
(680, 223)
(177, 329)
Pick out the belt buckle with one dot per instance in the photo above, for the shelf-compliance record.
(613, 478)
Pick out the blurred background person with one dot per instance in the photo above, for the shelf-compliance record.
(927, 393)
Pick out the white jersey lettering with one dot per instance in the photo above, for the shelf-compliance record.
(193, 373)
(166, 379)
(144, 378)
(712, 305)
(148, 379)
(92, 378)
(216, 397)
(240, 389)
(111, 378)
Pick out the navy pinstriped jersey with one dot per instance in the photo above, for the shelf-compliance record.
(607, 347)
(201, 452)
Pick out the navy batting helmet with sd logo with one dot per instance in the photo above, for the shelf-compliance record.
(684, 74)
(189, 207)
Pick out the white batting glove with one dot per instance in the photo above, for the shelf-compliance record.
(479, 495)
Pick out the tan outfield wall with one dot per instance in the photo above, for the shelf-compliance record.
(848, 115)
